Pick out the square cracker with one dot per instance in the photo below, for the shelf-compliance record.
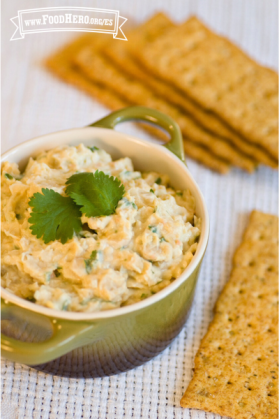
(63, 66)
(127, 58)
(221, 78)
(236, 372)
(98, 68)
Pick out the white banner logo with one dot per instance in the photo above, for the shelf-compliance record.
(77, 19)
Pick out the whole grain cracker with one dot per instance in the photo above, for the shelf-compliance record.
(61, 64)
(215, 73)
(124, 56)
(236, 370)
(99, 69)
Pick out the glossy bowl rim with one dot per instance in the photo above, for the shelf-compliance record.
(8, 297)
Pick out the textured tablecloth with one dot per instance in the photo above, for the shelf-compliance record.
(35, 103)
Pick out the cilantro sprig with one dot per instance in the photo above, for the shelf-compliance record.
(97, 194)
(54, 217)
(57, 217)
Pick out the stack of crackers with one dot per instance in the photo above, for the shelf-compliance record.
(236, 366)
(224, 102)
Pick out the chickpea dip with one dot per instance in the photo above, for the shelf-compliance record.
(139, 250)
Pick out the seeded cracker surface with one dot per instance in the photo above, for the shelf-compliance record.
(220, 78)
(123, 54)
(132, 60)
(236, 370)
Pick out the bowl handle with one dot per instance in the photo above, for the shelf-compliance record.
(175, 145)
(67, 335)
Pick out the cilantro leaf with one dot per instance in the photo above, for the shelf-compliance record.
(89, 262)
(158, 181)
(97, 194)
(54, 216)
(93, 148)
(153, 229)
(8, 176)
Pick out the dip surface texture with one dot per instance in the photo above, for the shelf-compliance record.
(117, 259)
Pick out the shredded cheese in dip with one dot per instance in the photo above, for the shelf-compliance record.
(139, 250)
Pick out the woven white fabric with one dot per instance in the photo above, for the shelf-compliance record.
(35, 103)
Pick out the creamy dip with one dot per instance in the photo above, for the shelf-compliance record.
(139, 250)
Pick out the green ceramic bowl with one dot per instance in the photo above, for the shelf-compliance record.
(108, 342)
